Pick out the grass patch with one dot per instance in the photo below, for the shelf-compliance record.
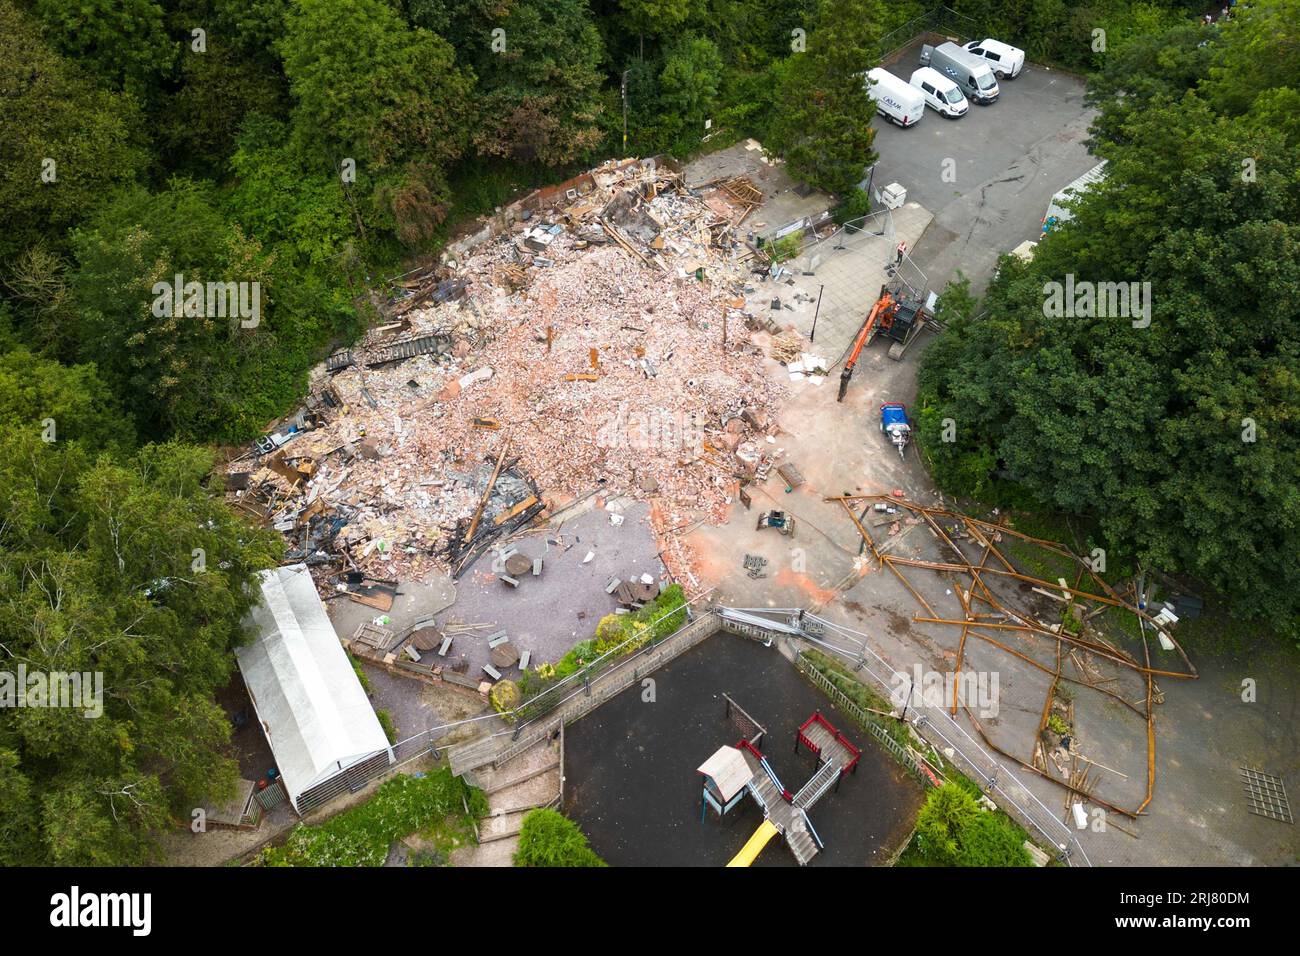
(386, 721)
(432, 806)
(361, 673)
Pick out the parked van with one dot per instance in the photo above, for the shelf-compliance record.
(941, 94)
(896, 99)
(968, 71)
(1005, 60)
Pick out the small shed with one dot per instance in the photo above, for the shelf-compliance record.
(726, 775)
(317, 718)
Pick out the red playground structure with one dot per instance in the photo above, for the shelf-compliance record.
(734, 771)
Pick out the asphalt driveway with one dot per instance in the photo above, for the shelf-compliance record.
(988, 176)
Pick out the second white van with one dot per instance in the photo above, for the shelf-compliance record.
(1005, 60)
(941, 94)
(896, 99)
(967, 70)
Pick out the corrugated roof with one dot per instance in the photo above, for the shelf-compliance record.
(313, 710)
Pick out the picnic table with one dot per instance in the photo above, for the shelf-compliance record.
(504, 654)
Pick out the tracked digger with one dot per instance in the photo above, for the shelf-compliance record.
(899, 316)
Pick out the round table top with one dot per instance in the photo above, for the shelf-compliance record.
(518, 564)
(427, 639)
(504, 655)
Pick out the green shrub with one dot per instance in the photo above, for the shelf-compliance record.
(386, 721)
(856, 205)
(504, 697)
(787, 247)
(611, 632)
(953, 830)
(548, 838)
(616, 635)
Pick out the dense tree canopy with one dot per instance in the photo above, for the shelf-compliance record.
(137, 572)
(65, 141)
(1181, 438)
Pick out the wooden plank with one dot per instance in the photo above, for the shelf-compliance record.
(487, 492)
(380, 600)
(517, 510)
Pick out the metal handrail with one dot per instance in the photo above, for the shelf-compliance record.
(807, 821)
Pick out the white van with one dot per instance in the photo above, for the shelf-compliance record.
(968, 71)
(1005, 60)
(941, 94)
(895, 99)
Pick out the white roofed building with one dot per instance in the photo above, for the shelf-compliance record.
(317, 718)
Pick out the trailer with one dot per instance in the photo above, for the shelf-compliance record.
(894, 424)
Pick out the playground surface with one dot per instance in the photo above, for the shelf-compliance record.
(630, 766)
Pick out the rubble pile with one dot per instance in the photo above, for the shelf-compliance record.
(603, 347)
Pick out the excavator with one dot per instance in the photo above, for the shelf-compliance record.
(896, 315)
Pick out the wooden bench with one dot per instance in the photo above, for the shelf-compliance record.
(446, 646)
(491, 672)
(524, 658)
(497, 640)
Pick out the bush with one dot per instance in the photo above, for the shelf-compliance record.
(787, 247)
(953, 830)
(386, 721)
(361, 674)
(548, 838)
(856, 205)
(504, 697)
(616, 635)
(611, 632)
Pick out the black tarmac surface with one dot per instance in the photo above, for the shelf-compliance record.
(630, 766)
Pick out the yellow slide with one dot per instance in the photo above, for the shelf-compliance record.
(755, 845)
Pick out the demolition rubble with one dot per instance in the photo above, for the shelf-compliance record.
(598, 345)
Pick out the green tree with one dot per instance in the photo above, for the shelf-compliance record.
(1254, 52)
(124, 43)
(689, 83)
(219, 88)
(78, 406)
(303, 212)
(178, 373)
(823, 115)
(540, 95)
(391, 98)
(1177, 438)
(99, 574)
(953, 830)
(655, 18)
(65, 142)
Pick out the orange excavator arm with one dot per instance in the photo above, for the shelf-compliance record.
(882, 306)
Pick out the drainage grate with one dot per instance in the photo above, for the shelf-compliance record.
(1266, 795)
